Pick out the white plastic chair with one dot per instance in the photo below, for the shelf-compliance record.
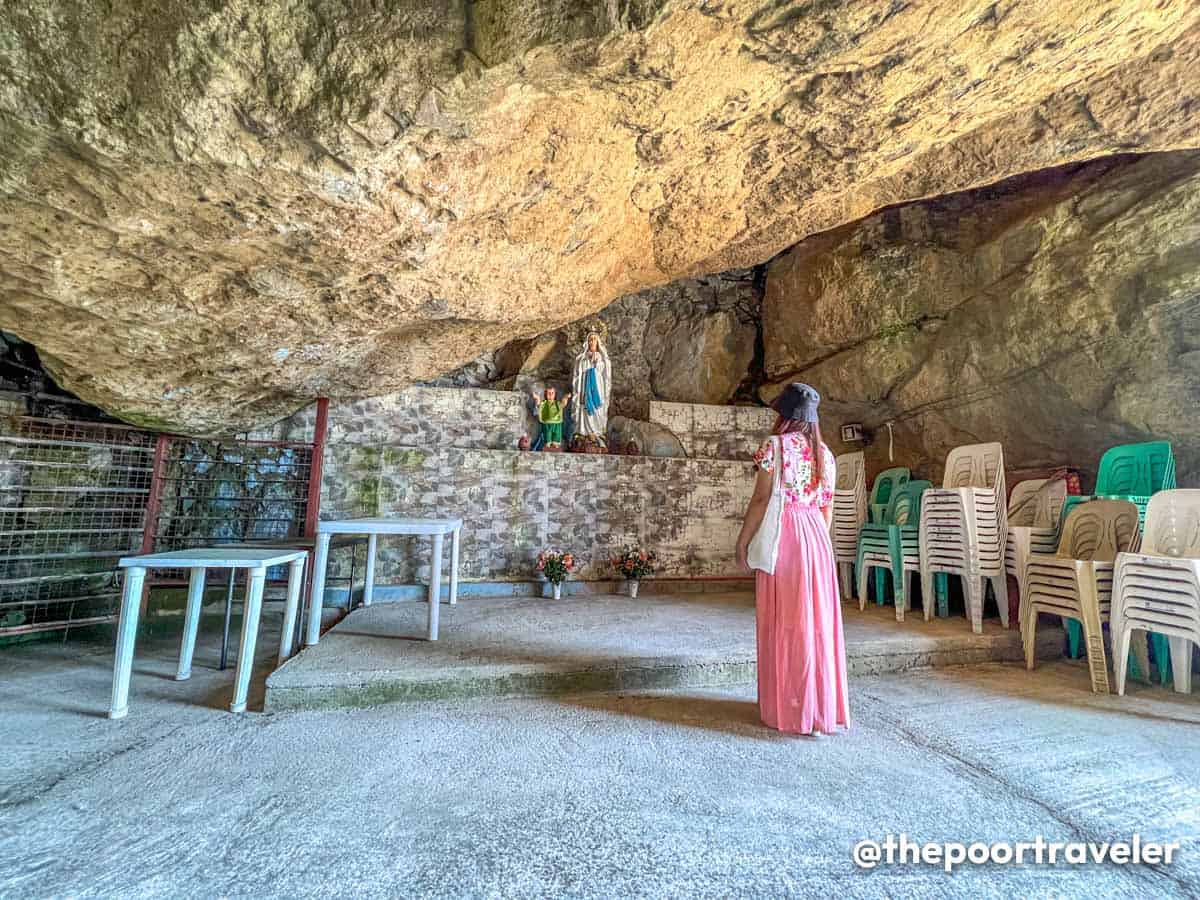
(1158, 588)
(1076, 582)
(1033, 527)
(849, 514)
(964, 529)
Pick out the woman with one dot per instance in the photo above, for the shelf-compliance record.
(801, 654)
(592, 385)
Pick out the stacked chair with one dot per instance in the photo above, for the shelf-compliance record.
(964, 528)
(1074, 629)
(1133, 472)
(849, 515)
(1136, 472)
(1076, 582)
(886, 484)
(1157, 589)
(1034, 512)
(892, 546)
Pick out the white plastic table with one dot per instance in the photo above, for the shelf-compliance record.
(373, 528)
(197, 560)
(308, 545)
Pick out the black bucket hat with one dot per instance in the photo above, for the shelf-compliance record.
(798, 401)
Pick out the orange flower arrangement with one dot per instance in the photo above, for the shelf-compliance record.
(555, 566)
(634, 563)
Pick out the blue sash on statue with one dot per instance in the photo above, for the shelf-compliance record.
(591, 392)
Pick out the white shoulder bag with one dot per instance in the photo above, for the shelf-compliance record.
(764, 547)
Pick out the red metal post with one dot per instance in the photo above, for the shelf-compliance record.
(161, 448)
(312, 513)
(313, 507)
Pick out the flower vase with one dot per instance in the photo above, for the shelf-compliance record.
(558, 590)
(633, 588)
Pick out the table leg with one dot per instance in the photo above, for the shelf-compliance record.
(454, 566)
(369, 576)
(292, 611)
(131, 601)
(298, 635)
(228, 616)
(318, 591)
(191, 624)
(435, 587)
(257, 578)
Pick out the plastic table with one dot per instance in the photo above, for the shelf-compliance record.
(373, 528)
(197, 561)
(308, 545)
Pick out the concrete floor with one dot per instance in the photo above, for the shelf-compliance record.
(503, 646)
(676, 794)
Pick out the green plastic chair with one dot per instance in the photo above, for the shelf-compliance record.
(1136, 472)
(886, 546)
(886, 484)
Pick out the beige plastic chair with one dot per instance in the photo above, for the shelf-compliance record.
(1157, 589)
(1076, 582)
(1033, 527)
(964, 529)
(849, 514)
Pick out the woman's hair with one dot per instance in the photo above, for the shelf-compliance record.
(812, 433)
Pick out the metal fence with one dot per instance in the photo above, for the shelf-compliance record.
(73, 497)
(225, 491)
(76, 496)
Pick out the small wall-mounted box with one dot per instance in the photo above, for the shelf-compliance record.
(852, 432)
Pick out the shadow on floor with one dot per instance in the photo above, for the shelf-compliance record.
(1072, 689)
(723, 715)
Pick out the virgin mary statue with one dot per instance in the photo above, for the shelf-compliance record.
(592, 386)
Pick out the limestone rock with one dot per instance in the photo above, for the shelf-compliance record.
(210, 214)
(698, 351)
(1057, 313)
(692, 341)
(504, 29)
(651, 439)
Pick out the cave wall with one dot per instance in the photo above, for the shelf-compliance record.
(1057, 313)
(499, 30)
(691, 341)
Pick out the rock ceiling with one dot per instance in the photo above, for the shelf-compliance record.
(211, 213)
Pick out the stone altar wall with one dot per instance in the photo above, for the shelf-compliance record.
(715, 432)
(440, 452)
(515, 504)
(470, 419)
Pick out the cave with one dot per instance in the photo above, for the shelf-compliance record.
(521, 319)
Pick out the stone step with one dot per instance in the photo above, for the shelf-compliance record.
(511, 646)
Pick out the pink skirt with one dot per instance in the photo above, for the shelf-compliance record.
(801, 652)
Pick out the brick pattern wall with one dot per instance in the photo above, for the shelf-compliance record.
(715, 432)
(445, 451)
(467, 418)
(516, 504)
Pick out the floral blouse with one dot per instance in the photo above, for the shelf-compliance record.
(797, 470)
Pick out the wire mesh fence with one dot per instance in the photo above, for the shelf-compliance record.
(219, 491)
(72, 502)
(76, 496)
